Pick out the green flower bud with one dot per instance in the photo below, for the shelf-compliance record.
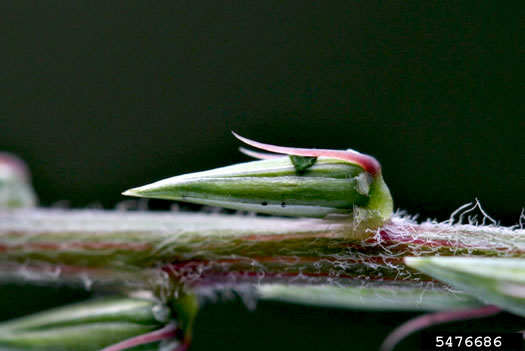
(311, 183)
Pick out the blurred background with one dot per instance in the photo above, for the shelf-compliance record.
(99, 97)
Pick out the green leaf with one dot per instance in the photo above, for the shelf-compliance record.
(84, 326)
(395, 296)
(497, 281)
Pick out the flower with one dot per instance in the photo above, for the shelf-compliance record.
(301, 183)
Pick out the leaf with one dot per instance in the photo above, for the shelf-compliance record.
(84, 326)
(394, 296)
(497, 281)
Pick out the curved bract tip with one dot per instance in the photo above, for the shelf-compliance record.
(367, 162)
(258, 155)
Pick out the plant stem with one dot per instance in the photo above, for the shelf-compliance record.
(145, 249)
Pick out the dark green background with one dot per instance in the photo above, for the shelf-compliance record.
(99, 97)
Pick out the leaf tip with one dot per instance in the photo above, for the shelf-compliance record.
(413, 262)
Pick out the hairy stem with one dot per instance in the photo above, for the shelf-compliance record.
(180, 249)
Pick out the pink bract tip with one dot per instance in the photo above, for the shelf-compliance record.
(367, 162)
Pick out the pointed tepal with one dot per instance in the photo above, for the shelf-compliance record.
(301, 182)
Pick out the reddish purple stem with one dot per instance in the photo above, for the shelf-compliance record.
(431, 319)
(169, 331)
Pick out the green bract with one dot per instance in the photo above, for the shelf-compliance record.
(85, 326)
(299, 185)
